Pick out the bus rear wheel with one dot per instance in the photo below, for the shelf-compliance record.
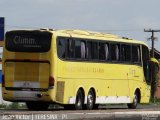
(90, 100)
(37, 105)
(135, 102)
(79, 103)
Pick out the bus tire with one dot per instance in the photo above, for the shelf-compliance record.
(79, 103)
(135, 102)
(90, 100)
(37, 105)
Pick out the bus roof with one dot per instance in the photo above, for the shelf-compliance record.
(95, 35)
(90, 35)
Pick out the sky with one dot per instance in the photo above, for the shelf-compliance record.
(126, 18)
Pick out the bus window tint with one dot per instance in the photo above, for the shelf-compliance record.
(114, 52)
(135, 54)
(83, 50)
(28, 41)
(70, 48)
(145, 54)
(106, 48)
(146, 66)
(125, 53)
(77, 49)
(92, 50)
(103, 51)
(61, 47)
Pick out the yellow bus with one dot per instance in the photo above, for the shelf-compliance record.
(74, 68)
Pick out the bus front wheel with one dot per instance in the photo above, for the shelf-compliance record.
(134, 104)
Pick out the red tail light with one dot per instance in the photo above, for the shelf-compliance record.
(3, 82)
(51, 81)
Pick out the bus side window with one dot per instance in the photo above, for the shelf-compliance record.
(136, 54)
(92, 50)
(77, 49)
(115, 53)
(89, 47)
(125, 53)
(106, 48)
(103, 51)
(83, 50)
(71, 48)
(61, 47)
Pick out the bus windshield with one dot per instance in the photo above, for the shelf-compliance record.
(28, 41)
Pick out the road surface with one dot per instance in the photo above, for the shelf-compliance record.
(111, 112)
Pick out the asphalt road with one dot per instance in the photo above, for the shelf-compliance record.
(111, 112)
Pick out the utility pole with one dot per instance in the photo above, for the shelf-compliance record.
(152, 39)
